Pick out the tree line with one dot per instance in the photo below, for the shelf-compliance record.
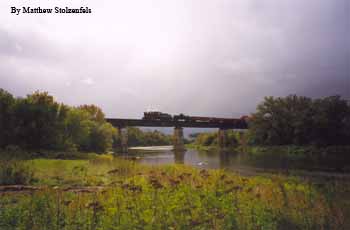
(298, 120)
(291, 120)
(38, 122)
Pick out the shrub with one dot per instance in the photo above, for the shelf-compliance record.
(15, 172)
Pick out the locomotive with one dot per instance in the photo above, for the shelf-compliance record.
(157, 116)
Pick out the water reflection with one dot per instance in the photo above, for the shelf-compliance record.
(224, 159)
(202, 159)
(244, 164)
(179, 156)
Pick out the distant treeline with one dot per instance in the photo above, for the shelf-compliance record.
(292, 120)
(296, 120)
(38, 122)
(137, 137)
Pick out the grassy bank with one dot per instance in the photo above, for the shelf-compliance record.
(108, 193)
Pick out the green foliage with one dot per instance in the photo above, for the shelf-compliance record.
(206, 139)
(94, 112)
(38, 122)
(15, 172)
(331, 121)
(6, 111)
(301, 120)
(137, 137)
(101, 137)
(132, 196)
(211, 139)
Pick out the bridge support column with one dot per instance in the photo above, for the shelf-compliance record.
(222, 138)
(179, 156)
(123, 135)
(178, 139)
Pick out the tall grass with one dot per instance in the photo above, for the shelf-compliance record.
(15, 172)
(110, 193)
(168, 197)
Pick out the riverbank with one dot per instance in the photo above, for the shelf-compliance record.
(104, 192)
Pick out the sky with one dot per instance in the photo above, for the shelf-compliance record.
(198, 57)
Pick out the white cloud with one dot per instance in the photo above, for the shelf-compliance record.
(88, 81)
(18, 47)
(204, 57)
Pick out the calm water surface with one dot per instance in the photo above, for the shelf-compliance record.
(158, 155)
(238, 162)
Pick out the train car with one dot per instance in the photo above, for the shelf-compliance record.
(201, 119)
(214, 119)
(157, 116)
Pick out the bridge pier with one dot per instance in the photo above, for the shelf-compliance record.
(178, 139)
(179, 156)
(222, 138)
(123, 134)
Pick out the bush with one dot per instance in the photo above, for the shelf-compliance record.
(15, 172)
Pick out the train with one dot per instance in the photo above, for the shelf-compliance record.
(159, 116)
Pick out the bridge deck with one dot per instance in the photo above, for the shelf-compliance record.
(157, 123)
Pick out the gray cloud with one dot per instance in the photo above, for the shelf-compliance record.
(197, 57)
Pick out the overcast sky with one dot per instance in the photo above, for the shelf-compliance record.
(217, 58)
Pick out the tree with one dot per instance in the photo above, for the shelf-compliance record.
(7, 102)
(38, 121)
(95, 113)
(101, 137)
(331, 116)
(78, 129)
(300, 120)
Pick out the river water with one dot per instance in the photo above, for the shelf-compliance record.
(233, 161)
(160, 155)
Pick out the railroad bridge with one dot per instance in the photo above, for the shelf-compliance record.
(223, 124)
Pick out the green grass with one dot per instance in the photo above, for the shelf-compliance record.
(134, 196)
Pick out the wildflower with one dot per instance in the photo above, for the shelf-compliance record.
(155, 183)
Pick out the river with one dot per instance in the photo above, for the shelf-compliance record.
(233, 161)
